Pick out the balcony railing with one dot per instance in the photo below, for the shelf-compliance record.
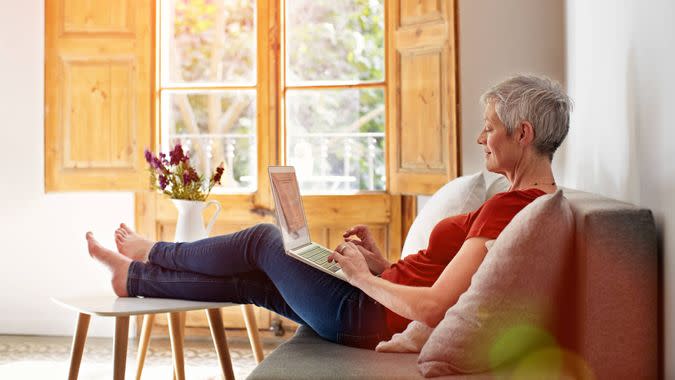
(338, 162)
(326, 163)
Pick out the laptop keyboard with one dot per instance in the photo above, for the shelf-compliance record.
(319, 255)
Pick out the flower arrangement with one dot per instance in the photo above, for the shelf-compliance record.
(176, 178)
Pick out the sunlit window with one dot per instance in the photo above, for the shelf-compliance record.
(208, 86)
(333, 90)
(335, 104)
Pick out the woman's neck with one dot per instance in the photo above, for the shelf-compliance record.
(534, 173)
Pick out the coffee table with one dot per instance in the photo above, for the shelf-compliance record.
(121, 308)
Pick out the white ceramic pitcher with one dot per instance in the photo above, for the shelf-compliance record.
(190, 225)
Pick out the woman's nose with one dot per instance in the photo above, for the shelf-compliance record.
(481, 138)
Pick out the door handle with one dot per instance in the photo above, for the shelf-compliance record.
(262, 211)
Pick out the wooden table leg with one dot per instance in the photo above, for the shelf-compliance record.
(220, 342)
(252, 330)
(183, 319)
(176, 345)
(79, 339)
(146, 331)
(120, 346)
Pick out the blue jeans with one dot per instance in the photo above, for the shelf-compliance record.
(251, 266)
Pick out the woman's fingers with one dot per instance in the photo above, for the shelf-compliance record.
(340, 251)
(350, 231)
(346, 249)
(354, 241)
(349, 248)
(358, 230)
(333, 257)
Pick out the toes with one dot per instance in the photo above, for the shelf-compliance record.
(126, 228)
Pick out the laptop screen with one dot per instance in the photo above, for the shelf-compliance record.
(288, 204)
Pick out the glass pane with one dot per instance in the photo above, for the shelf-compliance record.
(335, 139)
(330, 40)
(215, 126)
(209, 41)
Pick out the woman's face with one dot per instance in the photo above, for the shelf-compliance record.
(502, 151)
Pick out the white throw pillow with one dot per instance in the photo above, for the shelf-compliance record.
(499, 185)
(409, 340)
(459, 196)
(510, 306)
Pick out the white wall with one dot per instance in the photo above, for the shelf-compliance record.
(43, 251)
(498, 39)
(621, 73)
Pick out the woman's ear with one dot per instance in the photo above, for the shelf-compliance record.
(526, 133)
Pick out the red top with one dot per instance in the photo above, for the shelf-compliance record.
(447, 237)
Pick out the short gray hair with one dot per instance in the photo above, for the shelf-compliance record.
(538, 100)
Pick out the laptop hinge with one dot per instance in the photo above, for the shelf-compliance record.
(302, 246)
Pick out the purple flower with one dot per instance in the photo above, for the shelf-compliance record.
(148, 156)
(193, 174)
(190, 175)
(156, 163)
(162, 157)
(162, 181)
(219, 174)
(176, 155)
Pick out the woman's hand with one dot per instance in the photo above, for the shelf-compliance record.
(368, 248)
(351, 261)
(365, 238)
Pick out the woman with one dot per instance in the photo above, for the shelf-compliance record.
(526, 120)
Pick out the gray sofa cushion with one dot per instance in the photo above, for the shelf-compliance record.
(308, 356)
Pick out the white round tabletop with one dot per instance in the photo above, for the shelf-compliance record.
(113, 306)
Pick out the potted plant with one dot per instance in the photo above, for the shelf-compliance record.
(176, 177)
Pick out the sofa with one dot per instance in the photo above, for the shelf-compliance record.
(610, 311)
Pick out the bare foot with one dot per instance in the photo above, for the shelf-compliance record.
(118, 264)
(131, 244)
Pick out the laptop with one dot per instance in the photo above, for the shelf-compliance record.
(291, 220)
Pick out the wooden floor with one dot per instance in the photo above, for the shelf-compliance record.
(47, 357)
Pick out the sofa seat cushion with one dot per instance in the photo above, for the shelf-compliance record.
(308, 356)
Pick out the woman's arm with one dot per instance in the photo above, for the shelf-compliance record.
(424, 304)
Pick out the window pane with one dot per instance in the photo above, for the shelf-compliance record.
(335, 139)
(216, 126)
(329, 40)
(209, 41)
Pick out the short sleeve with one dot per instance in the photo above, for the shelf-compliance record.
(496, 213)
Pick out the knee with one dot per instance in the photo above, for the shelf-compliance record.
(266, 231)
